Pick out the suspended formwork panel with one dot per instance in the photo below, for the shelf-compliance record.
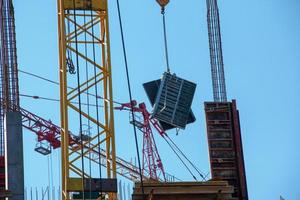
(225, 145)
(152, 89)
(173, 100)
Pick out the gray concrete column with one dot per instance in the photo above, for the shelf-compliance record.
(14, 155)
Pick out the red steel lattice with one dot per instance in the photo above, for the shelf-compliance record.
(152, 163)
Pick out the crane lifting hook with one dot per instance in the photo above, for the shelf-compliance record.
(162, 3)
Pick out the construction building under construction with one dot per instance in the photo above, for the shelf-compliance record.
(85, 78)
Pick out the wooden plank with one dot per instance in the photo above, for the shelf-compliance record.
(169, 184)
(185, 190)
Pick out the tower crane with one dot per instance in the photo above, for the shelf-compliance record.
(95, 14)
(79, 24)
(84, 61)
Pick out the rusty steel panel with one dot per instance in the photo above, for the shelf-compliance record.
(225, 145)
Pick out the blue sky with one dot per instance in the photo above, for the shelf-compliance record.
(261, 47)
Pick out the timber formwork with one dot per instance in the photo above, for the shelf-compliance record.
(210, 190)
(225, 146)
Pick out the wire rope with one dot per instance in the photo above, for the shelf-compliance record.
(79, 99)
(57, 83)
(57, 100)
(48, 172)
(181, 159)
(88, 107)
(96, 93)
(51, 170)
(130, 96)
(181, 152)
(165, 38)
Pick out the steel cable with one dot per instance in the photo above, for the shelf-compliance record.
(88, 107)
(130, 95)
(96, 99)
(165, 39)
(56, 100)
(191, 163)
(79, 100)
(72, 88)
(181, 159)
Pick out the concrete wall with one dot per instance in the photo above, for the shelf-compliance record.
(14, 155)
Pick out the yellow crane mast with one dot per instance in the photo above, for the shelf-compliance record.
(82, 26)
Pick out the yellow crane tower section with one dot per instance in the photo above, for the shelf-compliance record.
(84, 61)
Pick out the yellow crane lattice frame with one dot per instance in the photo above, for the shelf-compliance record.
(95, 26)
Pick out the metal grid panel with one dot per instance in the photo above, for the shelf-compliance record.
(151, 89)
(173, 100)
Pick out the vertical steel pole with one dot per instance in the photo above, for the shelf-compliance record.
(216, 54)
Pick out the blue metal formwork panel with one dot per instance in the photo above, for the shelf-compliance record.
(151, 89)
(173, 100)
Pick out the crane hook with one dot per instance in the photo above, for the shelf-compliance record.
(162, 3)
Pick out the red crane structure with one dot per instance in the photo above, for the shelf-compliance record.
(49, 133)
(151, 159)
(49, 137)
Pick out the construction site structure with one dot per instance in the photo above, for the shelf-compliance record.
(152, 164)
(222, 117)
(209, 190)
(49, 138)
(216, 53)
(225, 146)
(11, 141)
(84, 61)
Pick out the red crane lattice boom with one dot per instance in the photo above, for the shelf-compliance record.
(50, 133)
(151, 159)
